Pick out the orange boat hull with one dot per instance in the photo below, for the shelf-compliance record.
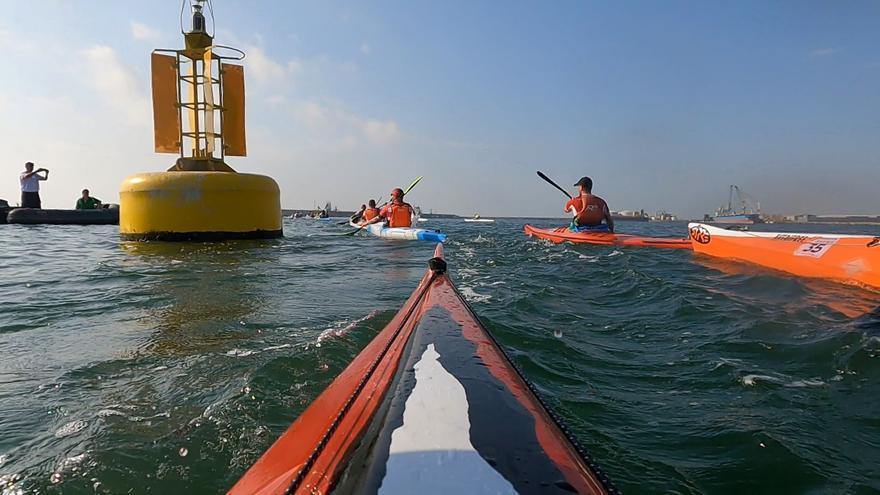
(845, 258)
(563, 234)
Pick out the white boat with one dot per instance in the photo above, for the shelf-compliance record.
(479, 219)
(402, 233)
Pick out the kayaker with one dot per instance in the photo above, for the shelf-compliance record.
(30, 185)
(370, 212)
(589, 210)
(358, 215)
(87, 202)
(397, 213)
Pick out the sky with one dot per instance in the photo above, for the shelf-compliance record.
(663, 104)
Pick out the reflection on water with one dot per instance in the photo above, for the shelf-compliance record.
(206, 293)
(169, 368)
(852, 301)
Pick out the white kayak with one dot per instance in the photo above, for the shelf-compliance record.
(480, 220)
(403, 233)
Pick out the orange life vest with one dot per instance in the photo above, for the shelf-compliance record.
(399, 215)
(370, 213)
(590, 213)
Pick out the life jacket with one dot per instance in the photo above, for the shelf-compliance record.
(370, 213)
(591, 213)
(399, 215)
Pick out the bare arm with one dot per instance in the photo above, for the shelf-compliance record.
(608, 219)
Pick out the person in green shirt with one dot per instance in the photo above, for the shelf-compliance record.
(87, 202)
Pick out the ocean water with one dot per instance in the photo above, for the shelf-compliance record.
(170, 367)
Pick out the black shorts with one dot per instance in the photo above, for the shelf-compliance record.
(30, 200)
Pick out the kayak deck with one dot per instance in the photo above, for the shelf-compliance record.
(845, 258)
(402, 233)
(431, 405)
(563, 234)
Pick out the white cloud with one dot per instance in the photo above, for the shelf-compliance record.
(365, 49)
(143, 32)
(263, 68)
(294, 66)
(117, 84)
(315, 120)
(331, 124)
(381, 132)
(823, 52)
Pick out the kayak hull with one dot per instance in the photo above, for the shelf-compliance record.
(431, 405)
(403, 233)
(845, 258)
(563, 234)
(479, 220)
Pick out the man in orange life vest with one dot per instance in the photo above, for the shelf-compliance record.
(396, 213)
(370, 212)
(589, 210)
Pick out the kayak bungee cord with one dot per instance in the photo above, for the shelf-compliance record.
(438, 267)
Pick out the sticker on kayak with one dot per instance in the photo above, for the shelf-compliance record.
(815, 247)
(700, 234)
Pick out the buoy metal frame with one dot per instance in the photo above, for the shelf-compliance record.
(200, 197)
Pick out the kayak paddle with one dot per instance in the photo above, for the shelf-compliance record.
(541, 175)
(408, 189)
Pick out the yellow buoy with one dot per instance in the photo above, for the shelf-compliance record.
(199, 206)
(198, 108)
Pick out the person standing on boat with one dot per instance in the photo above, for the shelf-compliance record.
(397, 213)
(589, 210)
(30, 185)
(87, 202)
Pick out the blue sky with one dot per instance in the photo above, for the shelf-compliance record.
(663, 103)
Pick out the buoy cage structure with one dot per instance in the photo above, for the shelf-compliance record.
(199, 114)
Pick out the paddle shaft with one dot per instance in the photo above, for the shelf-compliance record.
(541, 175)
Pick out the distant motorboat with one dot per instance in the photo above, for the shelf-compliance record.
(478, 219)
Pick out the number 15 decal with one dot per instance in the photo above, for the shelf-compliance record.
(815, 247)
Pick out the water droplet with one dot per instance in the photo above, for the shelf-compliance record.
(557, 333)
(55, 478)
(762, 445)
(183, 452)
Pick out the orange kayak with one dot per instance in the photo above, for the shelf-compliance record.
(563, 234)
(846, 258)
(431, 405)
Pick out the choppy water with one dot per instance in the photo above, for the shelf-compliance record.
(169, 368)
